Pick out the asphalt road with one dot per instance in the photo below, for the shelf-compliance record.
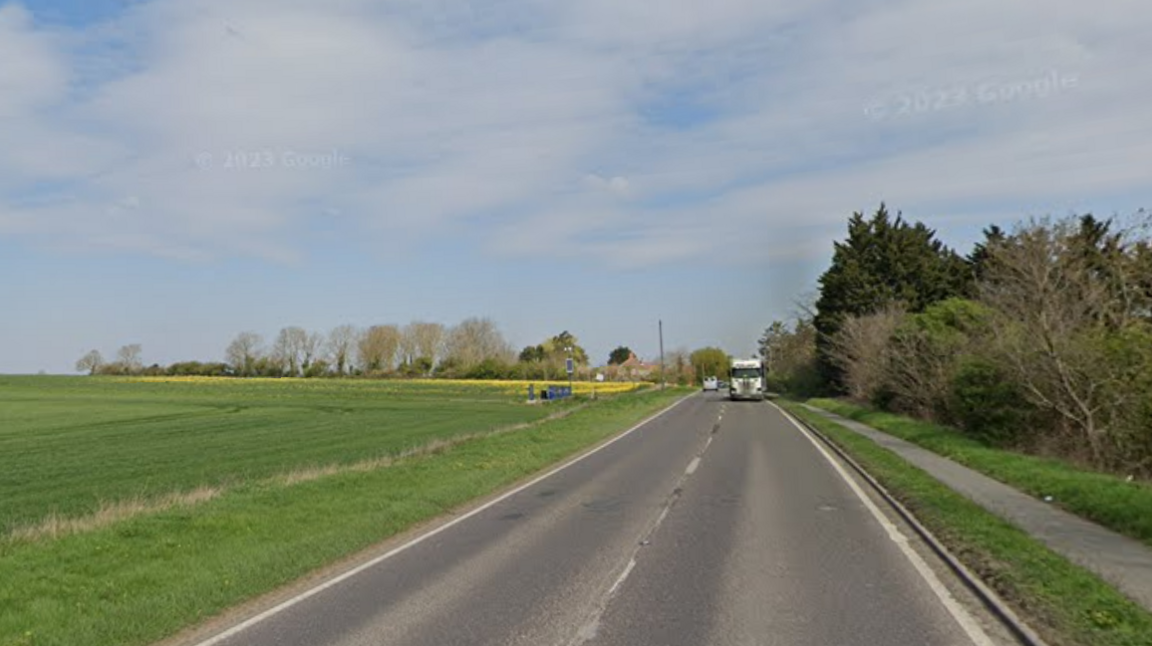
(717, 523)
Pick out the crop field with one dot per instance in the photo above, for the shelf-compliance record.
(179, 499)
(73, 446)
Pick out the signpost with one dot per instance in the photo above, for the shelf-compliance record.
(570, 366)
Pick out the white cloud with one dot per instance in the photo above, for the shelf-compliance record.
(34, 74)
(543, 129)
(615, 185)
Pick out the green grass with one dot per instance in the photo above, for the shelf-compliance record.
(69, 444)
(1124, 507)
(1065, 603)
(143, 579)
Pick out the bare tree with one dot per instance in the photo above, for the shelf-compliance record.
(243, 352)
(311, 346)
(341, 341)
(475, 340)
(376, 349)
(918, 370)
(424, 342)
(790, 355)
(860, 349)
(129, 358)
(678, 366)
(804, 306)
(90, 362)
(290, 348)
(1059, 322)
(407, 353)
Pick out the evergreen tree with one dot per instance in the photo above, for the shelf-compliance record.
(884, 261)
(619, 355)
(532, 353)
(982, 252)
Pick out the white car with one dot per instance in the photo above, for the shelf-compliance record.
(711, 383)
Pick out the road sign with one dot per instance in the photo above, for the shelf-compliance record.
(568, 364)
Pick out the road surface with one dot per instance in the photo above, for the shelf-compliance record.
(717, 523)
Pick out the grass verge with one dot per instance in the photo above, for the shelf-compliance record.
(146, 578)
(1066, 604)
(1124, 507)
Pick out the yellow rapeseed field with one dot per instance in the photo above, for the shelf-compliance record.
(510, 386)
(521, 385)
(195, 379)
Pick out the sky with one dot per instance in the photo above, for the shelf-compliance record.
(174, 172)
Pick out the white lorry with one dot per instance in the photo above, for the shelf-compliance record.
(746, 379)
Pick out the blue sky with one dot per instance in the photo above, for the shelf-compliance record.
(173, 172)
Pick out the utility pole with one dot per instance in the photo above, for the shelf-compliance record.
(663, 382)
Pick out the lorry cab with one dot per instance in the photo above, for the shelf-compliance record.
(746, 380)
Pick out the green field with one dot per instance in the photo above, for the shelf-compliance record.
(69, 445)
(148, 575)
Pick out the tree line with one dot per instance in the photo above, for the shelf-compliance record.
(1039, 339)
(475, 348)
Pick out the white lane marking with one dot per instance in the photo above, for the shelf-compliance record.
(965, 620)
(706, 444)
(692, 465)
(588, 630)
(623, 575)
(238, 628)
(659, 519)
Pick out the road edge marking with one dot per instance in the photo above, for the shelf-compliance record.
(316, 589)
(962, 617)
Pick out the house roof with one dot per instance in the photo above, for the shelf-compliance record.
(635, 362)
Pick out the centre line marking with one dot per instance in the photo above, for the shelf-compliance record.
(252, 621)
(692, 465)
(623, 575)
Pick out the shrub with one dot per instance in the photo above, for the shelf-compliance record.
(488, 369)
(988, 405)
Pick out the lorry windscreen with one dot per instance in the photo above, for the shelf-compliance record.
(745, 373)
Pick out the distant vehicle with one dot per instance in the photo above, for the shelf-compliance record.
(711, 383)
(747, 379)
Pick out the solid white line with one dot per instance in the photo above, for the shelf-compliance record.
(238, 628)
(692, 465)
(965, 620)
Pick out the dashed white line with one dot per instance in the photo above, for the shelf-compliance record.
(660, 519)
(693, 465)
(244, 625)
(623, 575)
